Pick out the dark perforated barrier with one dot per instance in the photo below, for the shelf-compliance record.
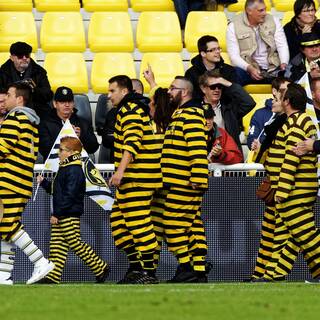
(232, 217)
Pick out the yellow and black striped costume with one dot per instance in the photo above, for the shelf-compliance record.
(183, 163)
(295, 181)
(18, 151)
(131, 221)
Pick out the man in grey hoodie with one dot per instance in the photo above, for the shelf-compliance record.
(19, 141)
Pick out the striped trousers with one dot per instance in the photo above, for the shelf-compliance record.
(183, 227)
(13, 207)
(296, 231)
(65, 236)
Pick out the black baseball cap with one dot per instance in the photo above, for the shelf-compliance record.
(309, 39)
(63, 94)
(20, 48)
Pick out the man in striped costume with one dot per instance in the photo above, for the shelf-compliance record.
(296, 184)
(184, 166)
(18, 151)
(137, 176)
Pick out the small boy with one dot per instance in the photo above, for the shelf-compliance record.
(68, 189)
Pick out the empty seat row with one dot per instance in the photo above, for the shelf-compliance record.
(111, 31)
(88, 5)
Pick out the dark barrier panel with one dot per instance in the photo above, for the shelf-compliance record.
(232, 217)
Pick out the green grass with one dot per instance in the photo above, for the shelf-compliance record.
(165, 301)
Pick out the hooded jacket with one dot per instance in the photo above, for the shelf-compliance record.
(198, 68)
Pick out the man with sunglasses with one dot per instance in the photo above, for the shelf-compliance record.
(20, 67)
(229, 100)
(209, 58)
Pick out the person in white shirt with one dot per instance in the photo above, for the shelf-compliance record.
(257, 45)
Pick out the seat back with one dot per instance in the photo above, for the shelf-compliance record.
(57, 5)
(154, 5)
(102, 109)
(17, 26)
(83, 107)
(62, 32)
(105, 5)
(16, 5)
(159, 31)
(67, 69)
(110, 31)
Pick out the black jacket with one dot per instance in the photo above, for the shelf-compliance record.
(42, 93)
(293, 34)
(198, 69)
(68, 189)
(51, 125)
(235, 104)
(296, 68)
(108, 129)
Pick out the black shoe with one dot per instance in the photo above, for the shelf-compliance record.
(208, 267)
(104, 275)
(138, 277)
(257, 280)
(312, 281)
(45, 281)
(184, 277)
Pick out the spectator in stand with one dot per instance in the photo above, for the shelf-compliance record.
(304, 21)
(257, 45)
(229, 101)
(137, 86)
(20, 67)
(183, 7)
(265, 115)
(307, 60)
(51, 125)
(209, 58)
(220, 145)
(3, 109)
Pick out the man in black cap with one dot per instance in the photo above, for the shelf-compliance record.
(307, 60)
(20, 67)
(52, 123)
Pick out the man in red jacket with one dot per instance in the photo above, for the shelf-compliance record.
(220, 145)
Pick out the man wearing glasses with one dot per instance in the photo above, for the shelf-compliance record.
(21, 68)
(229, 101)
(209, 58)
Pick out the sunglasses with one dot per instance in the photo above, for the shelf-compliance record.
(215, 86)
(21, 56)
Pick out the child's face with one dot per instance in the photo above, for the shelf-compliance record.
(64, 152)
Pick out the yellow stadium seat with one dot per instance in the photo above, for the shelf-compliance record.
(159, 31)
(154, 5)
(57, 5)
(67, 69)
(165, 65)
(200, 23)
(239, 6)
(16, 5)
(105, 5)
(107, 65)
(260, 103)
(286, 5)
(62, 31)
(17, 26)
(110, 31)
(258, 88)
(287, 16)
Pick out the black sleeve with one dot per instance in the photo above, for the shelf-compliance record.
(87, 137)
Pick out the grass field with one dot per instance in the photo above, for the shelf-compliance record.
(165, 301)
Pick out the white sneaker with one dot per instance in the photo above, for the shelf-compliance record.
(7, 282)
(40, 271)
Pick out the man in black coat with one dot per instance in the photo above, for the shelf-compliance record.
(20, 67)
(229, 101)
(51, 125)
(209, 58)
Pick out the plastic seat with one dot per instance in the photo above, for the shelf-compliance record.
(201, 23)
(57, 5)
(83, 107)
(102, 109)
(287, 16)
(17, 26)
(154, 5)
(165, 67)
(105, 5)
(286, 5)
(104, 154)
(159, 31)
(110, 31)
(67, 69)
(239, 6)
(107, 65)
(260, 103)
(16, 5)
(258, 88)
(62, 31)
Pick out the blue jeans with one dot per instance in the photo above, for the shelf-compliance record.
(244, 78)
(183, 7)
